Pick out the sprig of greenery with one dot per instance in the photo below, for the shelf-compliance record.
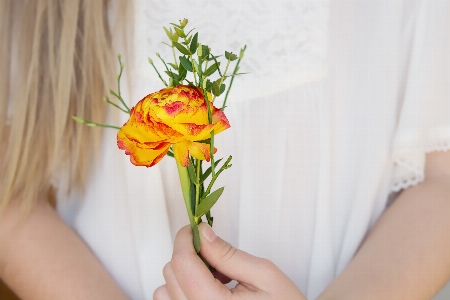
(117, 94)
(193, 62)
(93, 124)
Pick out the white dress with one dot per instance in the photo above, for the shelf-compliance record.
(342, 102)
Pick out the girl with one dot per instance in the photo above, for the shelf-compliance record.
(343, 103)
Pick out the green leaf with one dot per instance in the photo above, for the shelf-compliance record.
(173, 66)
(181, 48)
(169, 33)
(206, 141)
(78, 119)
(173, 75)
(208, 202)
(216, 90)
(205, 51)
(194, 43)
(237, 74)
(181, 72)
(230, 56)
(195, 66)
(175, 37)
(208, 171)
(190, 31)
(211, 69)
(186, 63)
(192, 175)
(176, 25)
(214, 57)
(208, 85)
(188, 40)
(180, 32)
(170, 153)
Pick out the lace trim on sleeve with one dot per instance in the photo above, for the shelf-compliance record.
(409, 164)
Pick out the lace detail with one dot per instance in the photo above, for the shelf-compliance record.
(409, 165)
(286, 40)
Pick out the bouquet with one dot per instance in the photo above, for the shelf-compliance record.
(182, 119)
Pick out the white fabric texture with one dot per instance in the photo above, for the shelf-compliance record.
(342, 102)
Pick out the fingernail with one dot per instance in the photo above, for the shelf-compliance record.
(208, 233)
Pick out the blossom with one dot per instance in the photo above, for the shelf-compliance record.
(176, 116)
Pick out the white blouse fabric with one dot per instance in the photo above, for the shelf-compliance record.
(342, 102)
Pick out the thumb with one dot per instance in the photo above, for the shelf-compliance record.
(234, 263)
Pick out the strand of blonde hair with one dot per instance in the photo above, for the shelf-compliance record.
(63, 67)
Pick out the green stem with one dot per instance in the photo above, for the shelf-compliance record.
(218, 69)
(174, 56)
(156, 70)
(211, 150)
(165, 65)
(214, 177)
(115, 105)
(197, 185)
(186, 189)
(118, 85)
(222, 78)
(232, 77)
(93, 124)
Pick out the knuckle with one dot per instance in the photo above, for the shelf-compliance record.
(160, 293)
(177, 261)
(267, 265)
(166, 269)
(227, 252)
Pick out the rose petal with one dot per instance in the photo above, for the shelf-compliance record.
(181, 153)
(141, 154)
(199, 150)
(194, 132)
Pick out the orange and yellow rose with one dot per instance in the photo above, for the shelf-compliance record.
(175, 116)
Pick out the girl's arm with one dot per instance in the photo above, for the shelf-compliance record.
(407, 253)
(42, 258)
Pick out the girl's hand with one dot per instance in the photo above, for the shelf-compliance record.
(187, 277)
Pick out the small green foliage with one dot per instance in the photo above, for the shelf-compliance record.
(173, 65)
(180, 32)
(186, 63)
(182, 72)
(205, 51)
(217, 87)
(211, 69)
(230, 56)
(200, 50)
(181, 48)
(194, 43)
(168, 33)
(192, 175)
(208, 202)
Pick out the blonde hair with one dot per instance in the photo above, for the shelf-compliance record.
(64, 63)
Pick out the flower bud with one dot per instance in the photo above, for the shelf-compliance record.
(199, 50)
(184, 23)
